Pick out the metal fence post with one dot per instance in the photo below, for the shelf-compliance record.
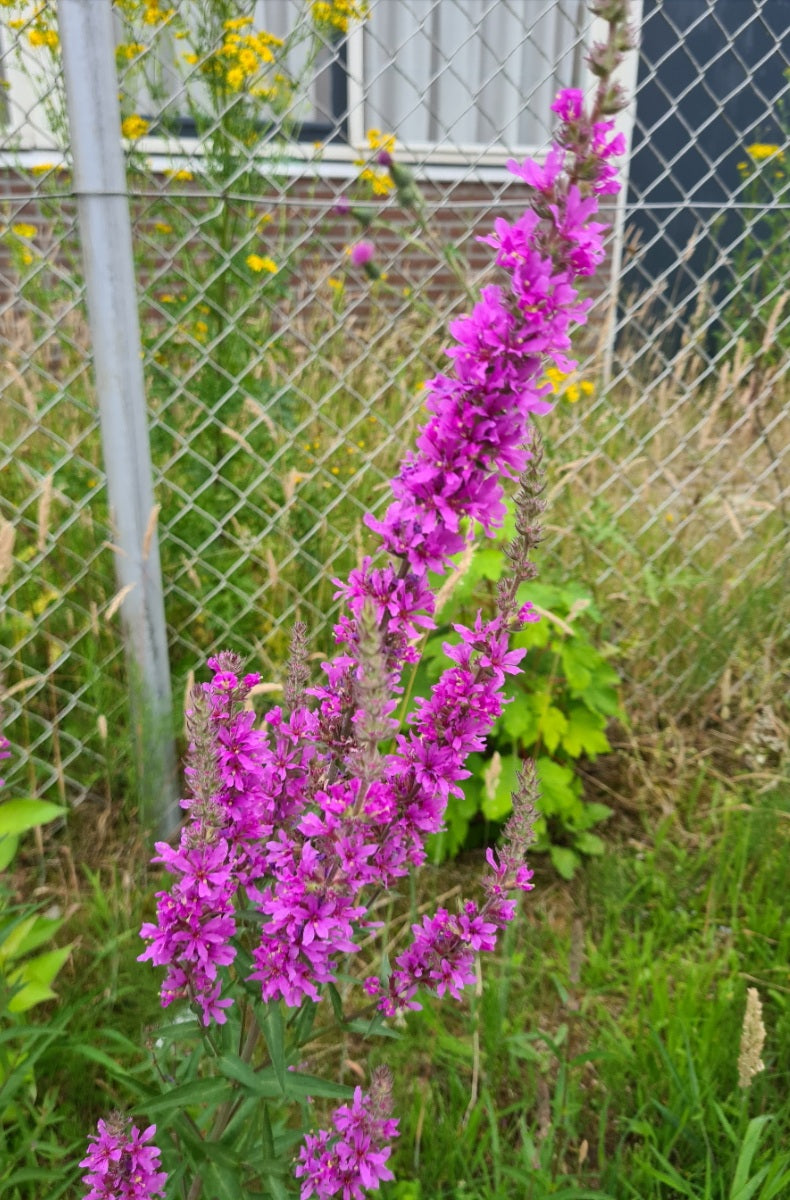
(86, 29)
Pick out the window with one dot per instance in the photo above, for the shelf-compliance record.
(450, 78)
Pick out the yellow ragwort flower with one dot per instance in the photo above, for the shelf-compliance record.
(134, 127)
(259, 263)
(179, 174)
(42, 168)
(163, 227)
(335, 16)
(762, 150)
(130, 50)
(24, 230)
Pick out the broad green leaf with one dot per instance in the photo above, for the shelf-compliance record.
(595, 812)
(564, 860)
(496, 801)
(584, 733)
(553, 724)
(29, 995)
(588, 843)
(558, 788)
(17, 816)
(521, 720)
(574, 655)
(34, 978)
(29, 935)
(9, 844)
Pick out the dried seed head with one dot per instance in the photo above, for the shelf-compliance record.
(752, 1040)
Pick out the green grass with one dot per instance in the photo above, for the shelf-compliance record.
(605, 1040)
(597, 1057)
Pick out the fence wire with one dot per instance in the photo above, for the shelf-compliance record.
(283, 381)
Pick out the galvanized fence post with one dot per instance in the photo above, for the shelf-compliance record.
(86, 29)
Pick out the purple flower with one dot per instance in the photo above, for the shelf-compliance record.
(121, 1164)
(353, 1155)
(569, 104)
(362, 253)
(5, 752)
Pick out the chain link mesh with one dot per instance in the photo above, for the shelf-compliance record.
(283, 382)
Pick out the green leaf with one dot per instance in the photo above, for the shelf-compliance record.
(497, 795)
(553, 725)
(35, 976)
(595, 812)
(299, 1086)
(274, 1031)
(17, 816)
(588, 843)
(197, 1091)
(584, 733)
(521, 720)
(741, 1186)
(564, 861)
(8, 848)
(574, 655)
(558, 788)
(29, 935)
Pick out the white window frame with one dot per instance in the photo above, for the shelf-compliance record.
(471, 162)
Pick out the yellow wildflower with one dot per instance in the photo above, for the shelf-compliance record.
(42, 168)
(163, 227)
(190, 58)
(27, 257)
(130, 50)
(588, 388)
(42, 35)
(381, 141)
(264, 219)
(167, 298)
(761, 150)
(201, 330)
(335, 284)
(258, 263)
(179, 174)
(237, 23)
(154, 15)
(235, 79)
(380, 182)
(24, 230)
(134, 127)
(335, 16)
(572, 393)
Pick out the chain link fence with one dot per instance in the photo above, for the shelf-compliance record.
(283, 380)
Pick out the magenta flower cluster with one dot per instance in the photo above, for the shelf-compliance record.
(300, 819)
(353, 1155)
(121, 1163)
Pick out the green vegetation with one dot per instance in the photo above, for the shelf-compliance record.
(597, 1058)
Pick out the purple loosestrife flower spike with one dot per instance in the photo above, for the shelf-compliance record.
(121, 1163)
(353, 1154)
(310, 813)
